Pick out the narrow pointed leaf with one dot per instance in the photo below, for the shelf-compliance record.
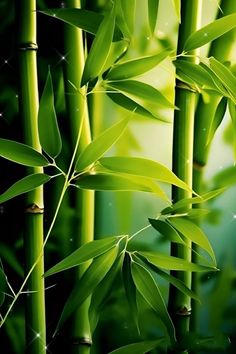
(24, 185)
(119, 182)
(173, 263)
(210, 32)
(149, 290)
(21, 153)
(139, 347)
(49, 134)
(135, 67)
(220, 88)
(86, 285)
(97, 57)
(219, 115)
(152, 14)
(128, 9)
(192, 232)
(166, 230)
(3, 286)
(177, 7)
(142, 93)
(117, 50)
(100, 145)
(225, 178)
(86, 252)
(143, 167)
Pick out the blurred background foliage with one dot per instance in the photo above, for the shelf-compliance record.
(116, 213)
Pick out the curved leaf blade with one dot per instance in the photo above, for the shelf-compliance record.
(177, 7)
(21, 153)
(83, 254)
(24, 185)
(210, 32)
(143, 167)
(116, 52)
(152, 14)
(100, 145)
(49, 134)
(166, 230)
(139, 347)
(128, 9)
(3, 286)
(216, 121)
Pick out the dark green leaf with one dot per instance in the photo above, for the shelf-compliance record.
(138, 348)
(232, 111)
(152, 14)
(84, 253)
(219, 115)
(149, 290)
(49, 134)
(128, 9)
(3, 286)
(97, 57)
(192, 232)
(135, 67)
(210, 32)
(21, 153)
(100, 145)
(24, 185)
(166, 230)
(88, 282)
(142, 167)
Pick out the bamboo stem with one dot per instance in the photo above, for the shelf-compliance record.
(84, 200)
(179, 303)
(33, 235)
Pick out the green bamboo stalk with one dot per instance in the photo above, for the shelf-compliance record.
(221, 49)
(33, 235)
(84, 200)
(179, 303)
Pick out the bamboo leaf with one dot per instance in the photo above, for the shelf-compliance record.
(177, 7)
(86, 252)
(130, 290)
(225, 178)
(24, 185)
(142, 167)
(49, 134)
(88, 21)
(232, 112)
(192, 232)
(173, 263)
(166, 230)
(220, 88)
(210, 32)
(97, 57)
(119, 182)
(143, 94)
(100, 145)
(117, 51)
(135, 67)
(152, 14)
(88, 282)
(139, 347)
(149, 290)
(132, 106)
(219, 115)
(3, 286)
(128, 9)
(21, 153)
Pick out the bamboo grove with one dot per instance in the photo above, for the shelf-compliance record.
(61, 152)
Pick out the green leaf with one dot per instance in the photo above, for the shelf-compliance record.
(220, 88)
(100, 145)
(166, 230)
(116, 52)
(3, 286)
(232, 112)
(173, 263)
(88, 21)
(143, 94)
(88, 282)
(49, 134)
(84, 253)
(177, 7)
(24, 185)
(142, 167)
(210, 32)
(225, 178)
(139, 347)
(149, 290)
(192, 232)
(130, 290)
(132, 106)
(97, 57)
(135, 67)
(152, 14)
(119, 182)
(128, 9)
(216, 121)
(21, 153)
(225, 75)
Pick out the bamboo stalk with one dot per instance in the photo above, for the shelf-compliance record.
(84, 200)
(33, 234)
(179, 303)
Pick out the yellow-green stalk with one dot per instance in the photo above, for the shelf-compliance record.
(33, 233)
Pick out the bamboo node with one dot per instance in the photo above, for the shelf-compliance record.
(34, 209)
(197, 165)
(28, 46)
(183, 311)
(82, 341)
